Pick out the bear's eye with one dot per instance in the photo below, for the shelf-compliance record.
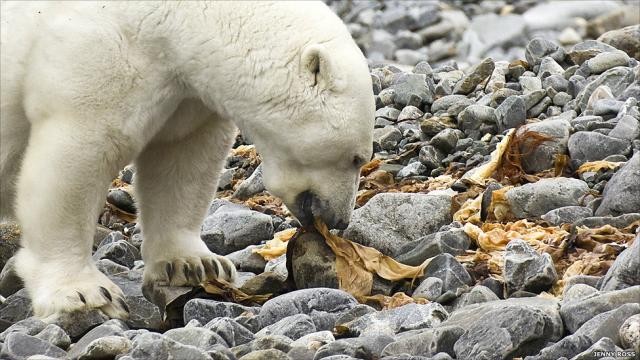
(358, 161)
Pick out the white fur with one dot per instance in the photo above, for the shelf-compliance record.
(92, 86)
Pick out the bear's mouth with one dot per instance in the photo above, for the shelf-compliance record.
(304, 202)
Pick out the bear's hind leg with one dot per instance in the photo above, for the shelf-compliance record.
(61, 188)
(175, 183)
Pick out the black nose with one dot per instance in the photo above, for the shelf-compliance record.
(304, 203)
(341, 225)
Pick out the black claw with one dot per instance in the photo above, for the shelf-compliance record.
(226, 267)
(187, 272)
(199, 274)
(210, 266)
(106, 293)
(123, 304)
(169, 269)
(84, 301)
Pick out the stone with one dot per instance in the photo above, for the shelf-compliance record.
(548, 67)
(446, 140)
(389, 322)
(251, 185)
(542, 157)
(430, 157)
(475, 76)
(101, 331)
(9, 241)
(248, 260)
(268, 354)
(454, 242)
(312, 262)
(387, 137)
(413, 89)
(627, 128)
(533, 98)
(318, 303)
(156, 346)
(510, 113)
(22, 346)
(625, 271)
(268, 282)
(366, 347)
(473, 116)
(389, 220)
(625, 39)
(453, 275)
(29, 326)
(16, 307)
(54, 335)
(201, 338)
(525, 269)
(445, 102)
(478, 294)
(536, 199)
(232, 227)
(588, 49)
(616, 80)
(413, 169)
(10, 282)
(539, 48)
(278, 342)
(576, 313)
(539, 108)
(430, 288)
(625, 181)
(293, 327)
(428, 342)
(122, 200)
(107, 347)
(204, 310)
(606, 60)
(314, 339)
(143, 313)
(230, 331)
(409, 113)
(567, 215)
(121, 252)
(629, 333)
(621, 221)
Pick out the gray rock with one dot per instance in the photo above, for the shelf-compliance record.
(446, 140)
(16, 307)
(414, 169)
(388, 113)
(29, 326)
(122, 200)
(591, 146)
(536, 199)
(54, 335)
(230, 331)
(567, 215)
(387, 137)
(625, 39)
(312, 262)
(109, 267)
(453, 275)
(428, 342)
(606, 324)
(538, 48)
(247, 260)
(604, 345)
(120, 252)
(548, 67)
(525, 269)
(530, 84)
(478, 294)
(205, 310)
(231, 227)
(606, 60)
(156, 346)
(473, 116)
(588, 49)
(413, 89)
(561, 98)
(510, 113)
(533, 98)
(625, 271)
(629, 333)
(201, 338)
(390, 220)
(293, 327)
(576, 313)
(10, 282)
(625, 181)
(314, 339)
(354, 313)
(111, 237)
(226, 177)
(542, 157)
(108, 347)
(143, 313)
(430, 288)
(445, 102)
(101, 331)
(22, 346)
(410, 113)
(389, 322)
(251, 185)
(430, 157)
(616, 79)
(454, 241)
(366, 347)
(621, 221)
(475, 76)
(627, 128)
(317, 303)
(268, 354)
(278, 342)
(539, 108)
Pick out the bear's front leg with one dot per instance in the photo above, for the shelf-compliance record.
(61, 188)
(175, 183)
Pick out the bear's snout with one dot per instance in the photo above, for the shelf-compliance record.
(309, 206)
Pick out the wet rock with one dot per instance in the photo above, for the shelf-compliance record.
(588, 49)
(230, 331)
(22, 346)
(428, 342)
(625, 181)
(156, 346)
(389, 322)
(525, 269)
(367, 347)
(251, 185)
(54, 335)
(542, 157)
(616, 80)
(247, 260)
(269, 354)
(450, 271)
(121, 252)
(16, 307)
(475, 76)
(473, 116)
(108, 347)
(625, 39)
(322, 304)
(113, 328)
(387, 137)
(446, 140)
(293, 327)
(592, 146)
(567, 215)
(233, 227)
(536, 199)
(313, 262)
(576, 313)
(205, 310)
(413, 89)
(445, 102)
(430, 157)
(122, 200)
(195, 336)
(629, 333)
(478, 294)
(539, 48)
(143, 313)
(604, 345)
(390, 220)
(510, 113)
(454, 242)
(627, 128)
(625, 271)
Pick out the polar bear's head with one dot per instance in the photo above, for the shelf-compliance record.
(313, 156)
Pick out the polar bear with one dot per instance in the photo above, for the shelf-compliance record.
(88, 87)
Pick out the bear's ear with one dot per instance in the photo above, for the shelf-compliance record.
(318, 67)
